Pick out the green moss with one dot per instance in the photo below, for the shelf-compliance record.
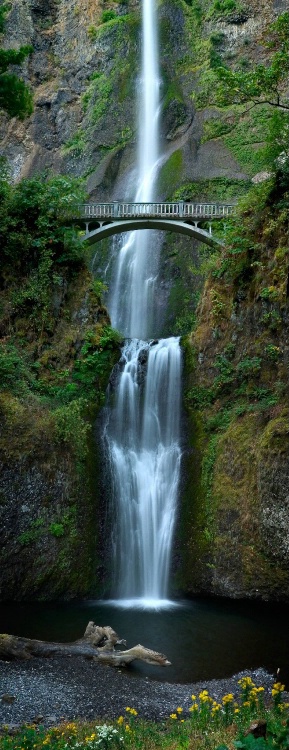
(181, 274)
(57, 529)
(215, 128)
(275, 437)
(170, 174)
(120, 25)
(173, 92)
(48, 424)
(216, 189)
(247, 138)
(193, 543)
(33, 533)
(104, 91)
(237, 386)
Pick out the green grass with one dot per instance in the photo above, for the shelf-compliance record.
(207, 724)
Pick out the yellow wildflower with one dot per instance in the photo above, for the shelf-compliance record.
(229, 698)
(173, 716)
(179, 710)
(127, 728)
(278, 687)
(204, 697)
(120, 720)
(193, 697)
(245, 682)
(237, 710)
(194, 707)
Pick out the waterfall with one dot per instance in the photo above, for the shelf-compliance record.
(143, 435)
(132, 297)
(142, 428)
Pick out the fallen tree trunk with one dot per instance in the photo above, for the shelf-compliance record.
(98, 643)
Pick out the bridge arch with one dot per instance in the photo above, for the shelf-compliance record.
(109, 228)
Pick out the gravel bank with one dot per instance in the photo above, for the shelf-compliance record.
(58, 689)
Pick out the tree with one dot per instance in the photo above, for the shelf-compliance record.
(265, 83)
(38, 244)
(15, 96)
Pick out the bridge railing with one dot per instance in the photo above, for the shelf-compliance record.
(116, 210)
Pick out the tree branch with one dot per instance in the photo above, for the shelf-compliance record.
(98, 643)
(261, 101)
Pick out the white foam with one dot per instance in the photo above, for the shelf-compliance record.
(141, 603)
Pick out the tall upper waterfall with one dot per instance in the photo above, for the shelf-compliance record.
(131, 303)
(142, 428)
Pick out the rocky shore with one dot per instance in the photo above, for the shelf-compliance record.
(49, 691)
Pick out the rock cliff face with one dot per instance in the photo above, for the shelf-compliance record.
(233, 529)
(236, 519)
(84, 73)
(50, 495)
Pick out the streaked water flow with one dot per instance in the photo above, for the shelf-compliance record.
(132, 299)
(142, 429)
(143, 439)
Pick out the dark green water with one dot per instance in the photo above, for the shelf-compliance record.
(203, 638)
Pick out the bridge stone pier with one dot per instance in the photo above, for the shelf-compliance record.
(106, 219)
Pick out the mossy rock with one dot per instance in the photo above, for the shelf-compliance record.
(170, 175)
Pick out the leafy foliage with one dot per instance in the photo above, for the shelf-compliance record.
(36, 243)
(15, 97)
(57, 351)
(108, 15)
(14, 372)
(256, 135)
(264, 82)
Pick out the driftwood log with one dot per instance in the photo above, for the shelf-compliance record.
(97, 643)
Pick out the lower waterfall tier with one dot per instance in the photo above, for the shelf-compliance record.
(142, 435)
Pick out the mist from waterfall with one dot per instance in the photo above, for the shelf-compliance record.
(142, 426)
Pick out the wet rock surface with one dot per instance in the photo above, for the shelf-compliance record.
(59, 689)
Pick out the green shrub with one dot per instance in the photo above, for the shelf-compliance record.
(272, 352)
(37, 241)
(56, 529)
(108, 15)
(249, 367)
(224, 6)
(92, 33)
(72, 427)
(14, 373)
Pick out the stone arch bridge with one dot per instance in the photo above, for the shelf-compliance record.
(106, 219)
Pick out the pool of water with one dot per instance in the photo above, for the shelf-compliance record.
(203, 638)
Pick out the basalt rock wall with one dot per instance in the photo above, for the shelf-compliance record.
(84, 71)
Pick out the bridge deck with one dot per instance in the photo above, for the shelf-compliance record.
(180, 210)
